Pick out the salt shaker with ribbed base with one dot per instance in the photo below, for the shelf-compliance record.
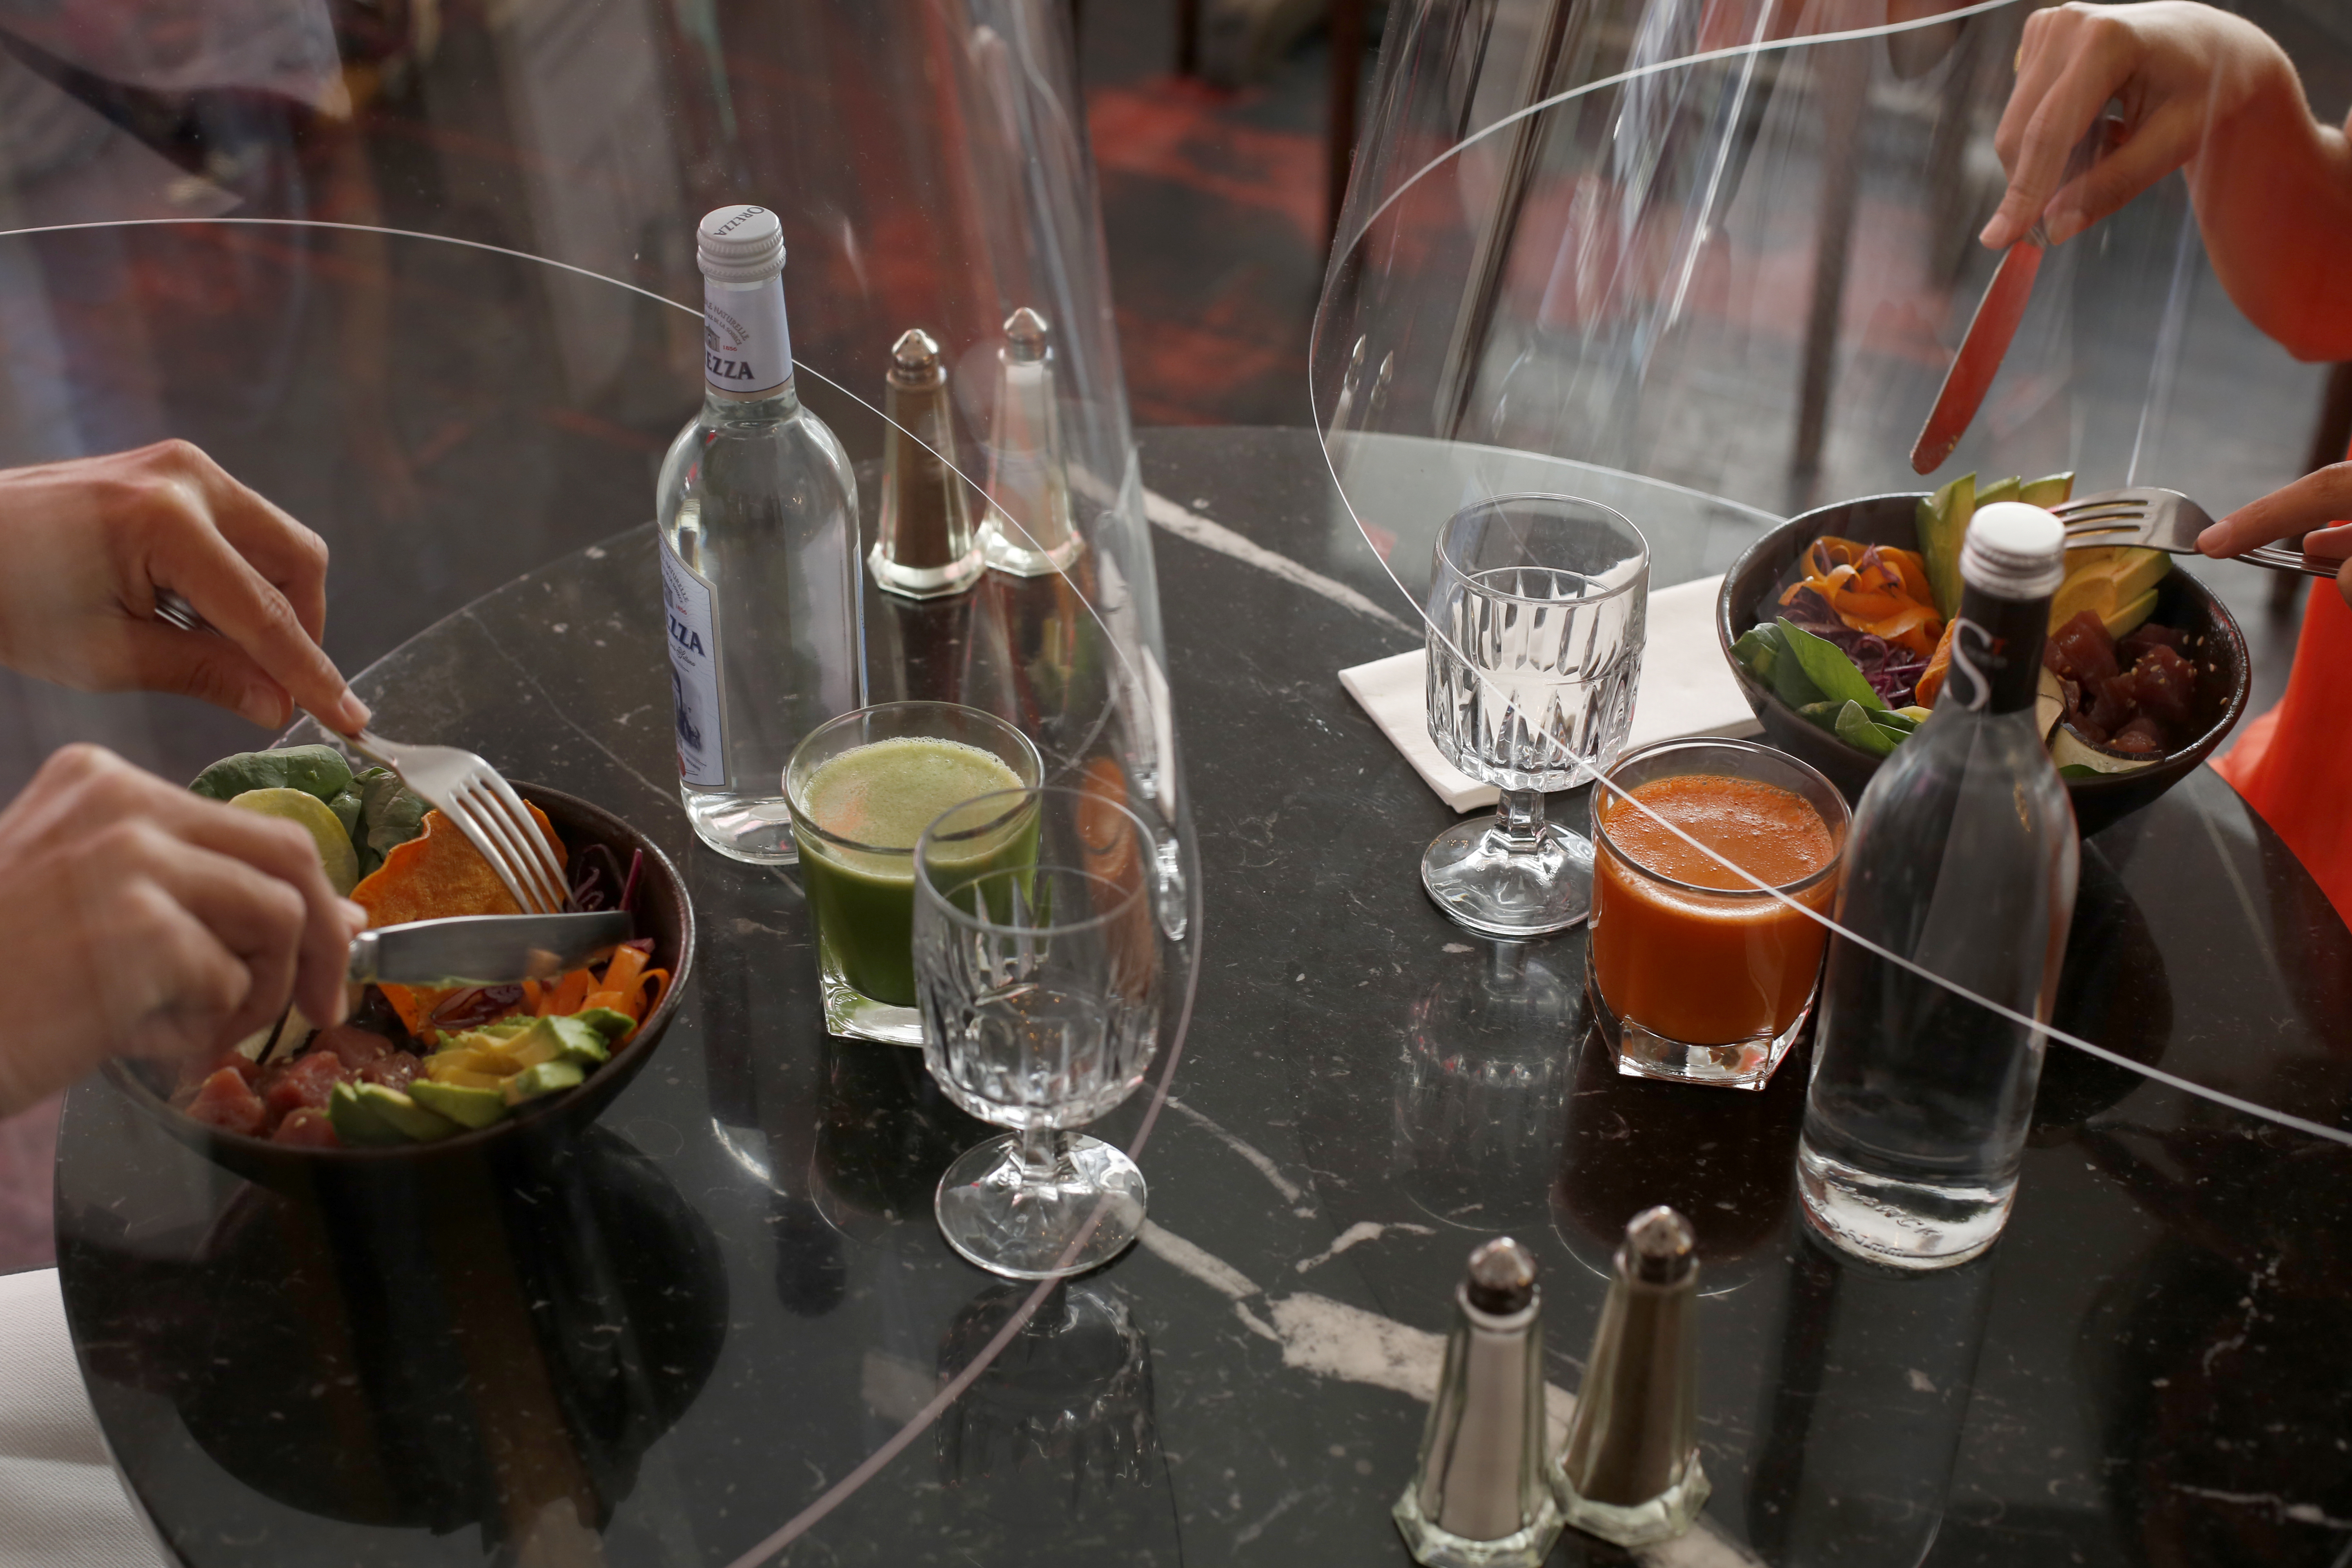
(1629, 1471)
(1480, 1499)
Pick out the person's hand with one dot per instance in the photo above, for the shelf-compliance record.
(87, 543)
(2309, 506)
(2181, 72)
(139, 918)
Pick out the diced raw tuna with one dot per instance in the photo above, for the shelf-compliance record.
(2116, 704)
(309, 1127)
(2082, 649)
(2147, 635)
(397, 1069)
(226, 1100)
(2143, 737)
(308, 1081)
(355, 1047)
(2165, 684)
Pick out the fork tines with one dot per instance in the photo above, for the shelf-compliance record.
(484, 808)
(507, 818)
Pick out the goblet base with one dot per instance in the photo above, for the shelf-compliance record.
(1483, 883)
(1032, 1224)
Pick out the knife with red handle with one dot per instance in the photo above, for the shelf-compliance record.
(1995, 322)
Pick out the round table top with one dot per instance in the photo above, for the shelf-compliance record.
(662, 1345)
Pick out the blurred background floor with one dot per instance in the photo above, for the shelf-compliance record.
(1215, 213)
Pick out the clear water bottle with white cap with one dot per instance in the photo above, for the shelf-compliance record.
(1962, 859)
(758, 514)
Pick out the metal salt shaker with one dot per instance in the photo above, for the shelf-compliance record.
(924, 547)
(1629, 1471)
(1479, 1498)
(1029, 532)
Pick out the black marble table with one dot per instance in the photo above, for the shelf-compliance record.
(661, 1345)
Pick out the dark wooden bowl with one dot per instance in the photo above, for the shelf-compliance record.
(2215, 644)
(666, 914)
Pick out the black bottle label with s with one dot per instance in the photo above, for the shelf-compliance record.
(1996, 655)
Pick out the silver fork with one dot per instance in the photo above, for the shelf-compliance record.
(484, 808)
(458, 785)
(2150, 518)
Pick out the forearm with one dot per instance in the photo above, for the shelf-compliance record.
(2274, 193)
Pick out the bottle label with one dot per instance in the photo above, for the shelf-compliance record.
(693, 672)
(746, 343)
(1996, 652)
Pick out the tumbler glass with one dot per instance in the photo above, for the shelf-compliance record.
(1040, 986)
(862, 788)
(1702, 977)
(1535, 611)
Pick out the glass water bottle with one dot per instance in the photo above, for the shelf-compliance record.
(757, 512)
(1962, 859)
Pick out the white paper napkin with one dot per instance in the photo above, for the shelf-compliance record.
(1686, 687)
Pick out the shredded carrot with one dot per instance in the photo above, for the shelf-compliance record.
(567, 995)
(531, 989)
(414, 1005)
(659, 980)
(1940, 665)
(1874, 588)
(628, 962)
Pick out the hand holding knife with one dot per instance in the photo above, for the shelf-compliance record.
(1996, 320)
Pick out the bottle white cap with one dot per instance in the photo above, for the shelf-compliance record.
(2014, 550)
(739, 244)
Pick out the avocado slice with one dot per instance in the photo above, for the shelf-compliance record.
(2045, 493)
(2009, 489)
(1943, 522)
(465, 1105)
(2049, 701)
(540, 1043)
(547, 1078)
(2124, 622)
(358, 1124)
(411, 1120)
(2109, 581)
(2069, 749)
(611, 1023)
(582, 1041)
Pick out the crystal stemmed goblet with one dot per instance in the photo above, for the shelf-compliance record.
(1038, 974)
(1535, 614)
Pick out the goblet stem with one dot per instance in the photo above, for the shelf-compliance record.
(1520, 820)
(1041, 1153)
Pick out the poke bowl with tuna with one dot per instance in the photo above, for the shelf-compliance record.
(413, 1067)
(1838, 625)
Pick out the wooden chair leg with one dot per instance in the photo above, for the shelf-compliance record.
(1188, 38)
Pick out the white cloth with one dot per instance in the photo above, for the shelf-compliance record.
(1685, 688)
(61, 1505)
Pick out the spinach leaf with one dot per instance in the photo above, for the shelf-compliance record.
(318, 771)
(1827, 667)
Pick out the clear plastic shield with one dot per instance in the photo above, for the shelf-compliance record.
(427, 281)
(1711, 265)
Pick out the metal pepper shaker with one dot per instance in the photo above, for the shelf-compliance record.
(1479, 1498)
(1630, 1470)
(1028, 531)
(924, 547)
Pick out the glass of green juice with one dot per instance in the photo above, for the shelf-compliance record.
(862, 788)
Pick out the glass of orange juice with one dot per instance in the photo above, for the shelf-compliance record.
(1700, 974)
